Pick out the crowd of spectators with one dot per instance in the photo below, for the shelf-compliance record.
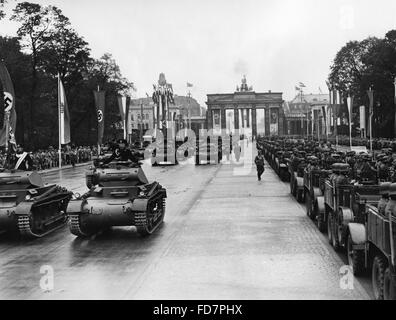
(49, 158)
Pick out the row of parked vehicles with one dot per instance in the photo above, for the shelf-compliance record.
(358, 215)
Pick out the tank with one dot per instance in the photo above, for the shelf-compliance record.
(29, 206)
(119, 195)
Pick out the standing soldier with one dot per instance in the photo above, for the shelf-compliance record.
(20, 161)
(259, 161)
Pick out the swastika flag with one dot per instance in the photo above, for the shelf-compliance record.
(9, 105)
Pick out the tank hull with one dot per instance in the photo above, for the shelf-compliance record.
(33, 213)
(119, 196)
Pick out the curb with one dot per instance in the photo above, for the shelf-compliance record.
(69, 166)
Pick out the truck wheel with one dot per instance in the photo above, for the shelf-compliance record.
(389, 287)
(320, 222)
(377, 277)
(329, 229)
(300, 196)
(294, 189)
(336, 242)
(308, 205)
(355, 258)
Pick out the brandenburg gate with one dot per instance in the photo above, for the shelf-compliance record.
(252, 113)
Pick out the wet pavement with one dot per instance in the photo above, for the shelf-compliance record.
(225, 236)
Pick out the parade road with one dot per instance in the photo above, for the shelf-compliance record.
(225, 236)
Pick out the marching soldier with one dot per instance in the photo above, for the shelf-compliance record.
(259, 161)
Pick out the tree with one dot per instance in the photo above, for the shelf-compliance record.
(37, 24)
(369, 63)
(47, 45)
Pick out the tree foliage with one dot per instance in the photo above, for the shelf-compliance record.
(47, 45)
(360, 65)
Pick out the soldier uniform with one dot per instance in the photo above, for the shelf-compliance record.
(122, 153)
(259, 161)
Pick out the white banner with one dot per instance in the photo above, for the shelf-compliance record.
(363, 117)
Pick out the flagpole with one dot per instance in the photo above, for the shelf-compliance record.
(371, 111)
(59, 124)
(7, 130)
(336, 117)
(350, 103)
(98, 136)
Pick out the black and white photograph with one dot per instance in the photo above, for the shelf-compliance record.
(185, 150)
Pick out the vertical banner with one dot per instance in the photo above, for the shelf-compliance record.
(370, 94)
(163, 108)
(216, 119)
(159, 112)
(64, 117)
(362, 110)
(350, 106)
(325, 126)
(273, 122)
(100, 110)
(122, 108)
(7, 133)
(127, 115)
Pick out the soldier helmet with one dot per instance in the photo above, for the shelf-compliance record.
(122, 141)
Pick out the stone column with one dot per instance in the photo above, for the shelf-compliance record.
(281, 119)
(210, 118)
(236, 118)
(267, 121)
(223, 119)
(254, 121)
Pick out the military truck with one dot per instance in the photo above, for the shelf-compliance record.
(296, 171)
(345, 204)
(282, 159)
(314, 189)
(371, 245)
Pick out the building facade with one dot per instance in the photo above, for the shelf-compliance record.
(308, 114)
(250, 112)
(185, 113)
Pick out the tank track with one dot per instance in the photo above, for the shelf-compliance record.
(24, 221)
(141, 219)
(75, 226)
(25, 229)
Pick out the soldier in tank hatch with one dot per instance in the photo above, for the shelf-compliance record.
(122, 153)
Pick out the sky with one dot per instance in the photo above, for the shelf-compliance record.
(213, 43)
